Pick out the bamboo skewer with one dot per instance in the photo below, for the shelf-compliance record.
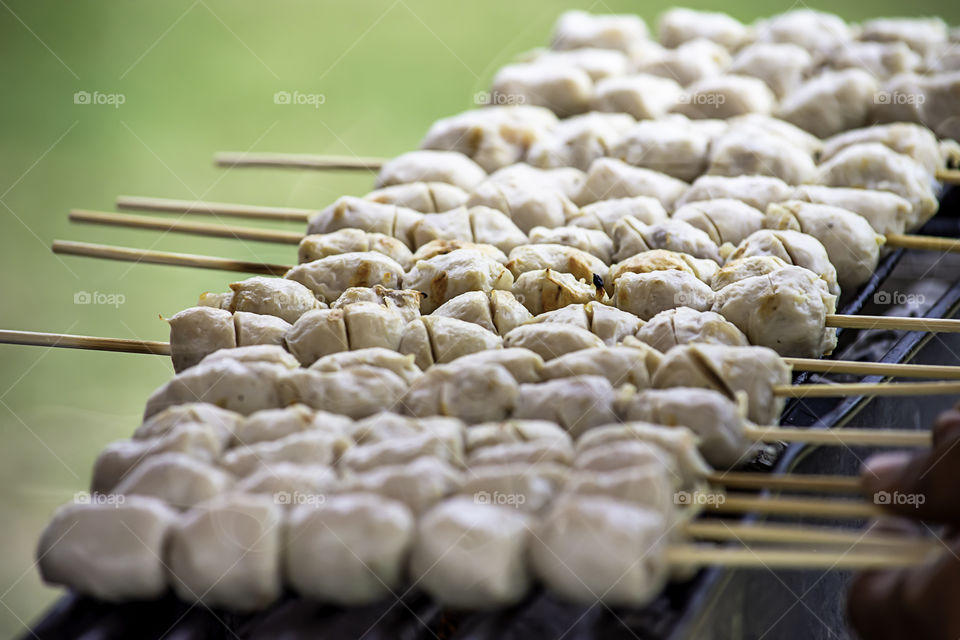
(724, 530)
(297, 161)
(125, 254)
(135, 203)
(890, 369)
(786, 482)
(687, 555)
(323, 162)
(848, 437)
(789, 506)
(185, 226)
(866, 389)
(254, 212)
(66, 341)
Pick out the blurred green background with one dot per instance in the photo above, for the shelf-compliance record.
(197, 77)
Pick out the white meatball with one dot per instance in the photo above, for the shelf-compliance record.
(744, 151)
(579, 29)
(671, 147)
(782, 66)
(425, 197)
(595, 62)
(875, 166)
(663, 260)
(431, 166)
(440, 339)
(526, 202)
(285, 299)
(724, 220)
(728, 370)
(243, 387)
(497, 311)
(256, 329)
(785, 310)
(886, 212)
(756, 191)
(180, 480)
(566, 90)
(719, 422)
(644, 96)
(604, 214)
(474, 394)
(725, 96)
(446, 276)
(445, 559)
(793, 247)
(592, 241)
(590, 547)
(851, 243)
(684, 325)
(493, 137)
(226, 553)
(580, 140)
(373, 217)
(815, 31)
(631, 237)
(131, 535)
(556, 257)
(678, 25)
(418, 484)
(550, 339)
(349, 550)
(197, 332)
(547, 290)
(691, 62)
(831, 102)
(619, 365)
(920, 34)
(610, 178)
(738, 269)
(647, 294)
(903, 137)
(879, 59)
(576, 404)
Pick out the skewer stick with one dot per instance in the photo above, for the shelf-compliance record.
(185, 226)
(786, 482)
(66, 341)
(894, 323)
(725, 530)
(149, 256)
(253, 212)
(876, 437)
(925, 243)
(948, 176)
(297, 161)
(890, 369)
(849, 437)
(791, 506)
(866, 389)
(697, 555)
(135, 203)
(323, 162)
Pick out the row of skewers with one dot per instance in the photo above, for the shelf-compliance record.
(500, 317)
